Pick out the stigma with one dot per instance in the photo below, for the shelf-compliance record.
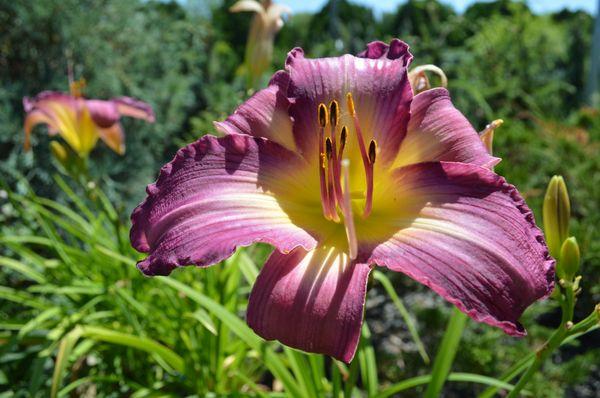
(334, 174)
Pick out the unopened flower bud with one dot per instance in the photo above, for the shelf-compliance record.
(568, 265)
(60, 153)
(556, 212)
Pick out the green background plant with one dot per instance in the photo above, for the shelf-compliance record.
(76, 317)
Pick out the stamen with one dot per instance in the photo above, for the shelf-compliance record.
(322, 117)
(331, 204)
(372, 151)
(322, 114)
(334, 113)
(350, 103)
(343, 138)
(334, 118)
(328, 148)
(369, 175)
(347, 209)
(358, 130)
(366, 157)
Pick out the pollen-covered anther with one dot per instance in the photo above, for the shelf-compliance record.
(343, 139)
(334, 113)
(322, 114)
(372, 151)
(325, 200)
(369, 170)
(332, 196)
(350, 103)
(368, 158)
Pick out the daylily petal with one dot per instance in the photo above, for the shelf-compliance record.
(310, 300)
(265, 114)
(134, 108)
(113, 137)
(397, 49)
(33, 118)
(247, 5)
(65, 115)
(437, 131)
(217, 194)
(380, 88)
(103, 113)
(467, 234)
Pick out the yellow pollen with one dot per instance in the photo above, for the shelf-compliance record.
(350, 103)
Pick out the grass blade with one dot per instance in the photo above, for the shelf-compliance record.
(368, 364)
(141, 343)
(62, 359)
(445, 355)
(23, 269)
(239, 328)
(453, 377)
(410, 324)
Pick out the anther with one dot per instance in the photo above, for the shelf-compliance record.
(372, 151)
(334, 113)
(331, 181)
(343, 139)
(350, 103)
(322, 114)
(322, 117)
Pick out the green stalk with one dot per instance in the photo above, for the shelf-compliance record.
(446, 353)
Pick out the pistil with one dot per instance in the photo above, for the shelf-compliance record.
(347, 211)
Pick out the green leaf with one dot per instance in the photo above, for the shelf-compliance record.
(205, 320)
(445, 355)
(239, 328)
(453, 377)
(410, 324)
(368, 364)
(140, 343)
(22, 298)
(39, 320)
(23, 269)
(62, 358)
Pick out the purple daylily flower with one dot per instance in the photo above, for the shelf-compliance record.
(80, 122)
(339, 167)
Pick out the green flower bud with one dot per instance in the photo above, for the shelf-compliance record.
(60, 153)
(557, 209)
(568, 265)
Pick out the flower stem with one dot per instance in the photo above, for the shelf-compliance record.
(565, 330)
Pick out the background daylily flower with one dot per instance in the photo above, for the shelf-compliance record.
(266, 23)
(339, 167)
(80, 122)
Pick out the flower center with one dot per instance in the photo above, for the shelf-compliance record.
(334, 168)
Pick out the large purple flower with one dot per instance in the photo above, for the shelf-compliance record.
(339, 167)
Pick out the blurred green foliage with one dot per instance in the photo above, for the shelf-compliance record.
(502, 61)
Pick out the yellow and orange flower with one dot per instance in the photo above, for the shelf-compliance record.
(80, 122)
